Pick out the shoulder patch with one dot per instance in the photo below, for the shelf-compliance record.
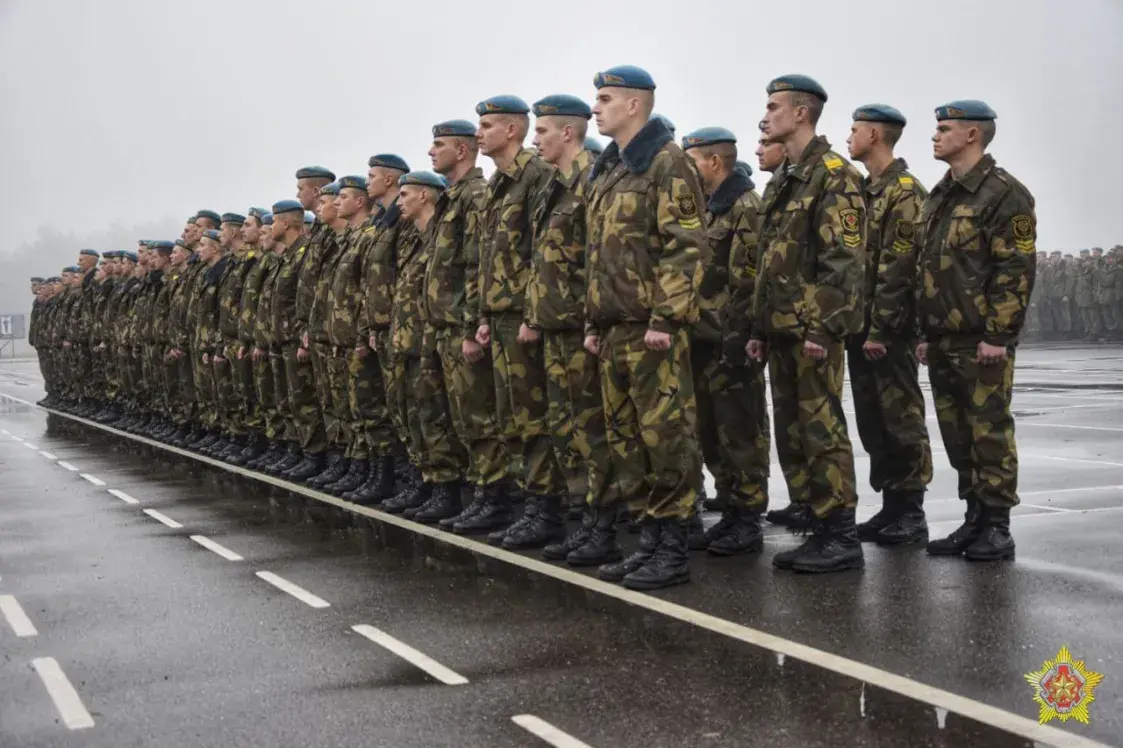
(250, 255)
(1024, 234)
(905, 181)
(832, 162)
(688, 210)
(851, 227)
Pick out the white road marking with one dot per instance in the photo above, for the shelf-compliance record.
(543, 729)
(161, 517)
(17, 438)
(67, 700)
(29, 445)
(48, 455)
(1075, 459)
(1023, 422)
(68, 466)
(210, 545)
(411, 655)
(5, 432)
(17, 619)
(296, 591)
(1049, 508)
(92, 479)
(123, 496)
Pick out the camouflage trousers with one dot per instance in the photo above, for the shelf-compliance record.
(575, 418)
(330, 372)
(889, 409)
(308, 424)
(82, 375)
(471, 402)
(281, 400)
(134, 376)
(446, 460)
(733, 425)
(231, 410)
(1059, 316)
(811, 439)
(1107, 317)
(186, 401)
(366, 394)
(265, 394)
(973, 409)
(651, 421)
(406, 373)
(154, 378)
(520, 404)
(172, 408)
(204, 391)
(1090, 314)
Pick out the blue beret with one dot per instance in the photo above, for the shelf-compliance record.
(665, 120)
(315, 172)
(110, 254)
(267, 219)
(461, 128)
(424, 179)
(309, 217)
(76, 269)
(332, 188)
(502, 104)
(181, 243)
(164, 247)
(36, 279)
(969, 109)
(257, 213)
(287, 206)
(624, 76)
(744, 168)
(392, 160)
(593, 146)
(354, 182)
(708, 136)
(54, 279)
(233, 218)
(192, 220)
(213, 235)
(211, 215)
(879, 113)
(803, 83)
(132, 255)
(562, 105)
(89, 252)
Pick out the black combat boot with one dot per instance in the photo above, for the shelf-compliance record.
(669, 565)
(574, 540)
(272, 452)
(695, 530)
(890, 509)
(355, 476)
(228, 455)
(493, 514)
(963, 536)
(312, 464)
(599, 546)
(651, 530)
(291, 457)
(207, 437)
(371, 476)
(335, 467)
(256, 447)
(444, 504)
(420, 494)
(838, 548)
(738, 532)
(547, 526)
(473, 508)
(910, 525)
(796, 516)
(995, 543)
(409, 497)
(530, 511)
(379, 485)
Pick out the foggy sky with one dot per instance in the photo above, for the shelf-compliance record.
(135, 110)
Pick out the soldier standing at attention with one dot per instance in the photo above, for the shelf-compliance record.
(978, 262)
(808, 301)
(888, 403)
(645, 250)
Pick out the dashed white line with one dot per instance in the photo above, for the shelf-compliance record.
(411, 655)
(1024, 422)
(17, 619)
(161, 517)
(67, 700)
(210, 545)
(67, 465)
(92, 479)
(1050, 508)
(1036, 456)
(48, 455)
(123, 496)
(17, 438)
(299, 593)
(29, 445)
(547, 732)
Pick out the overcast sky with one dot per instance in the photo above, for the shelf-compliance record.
(141, 109)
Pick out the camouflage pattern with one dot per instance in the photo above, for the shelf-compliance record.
(1105, 295)
(239, 394)
(407, 331)
(1086, 296)
(329, 359)
(180, 335)
(208, 338)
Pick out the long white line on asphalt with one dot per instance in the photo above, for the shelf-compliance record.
(210, 545)
(48, 455)
(543, 729)
(1036, 456)
(123, 496)
(161, 517)
(17, 438)
(296, 591)
(17, 619)
(92, 479)
(411, 655)
(68, 466)
(29, 445)
(67, 700)
(1020, 422)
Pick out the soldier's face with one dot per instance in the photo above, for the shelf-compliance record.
(251, 231)
(611, 110)
(206, 249)
(277, 230)
(779, 116)
(860, 141)
(950, 139)
(329, 208)
(443, 154)
(549, 138)
(706, 169)
(229, 231)
(86, 262)
(379, 179)
(769, 156)
(409, 201)
(179, 255)
(350, 202)
(308, 193)
(491, 136)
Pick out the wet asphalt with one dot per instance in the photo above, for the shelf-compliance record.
(168, 643)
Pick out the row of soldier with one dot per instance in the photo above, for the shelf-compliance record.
(1078, 298)
(442, 346)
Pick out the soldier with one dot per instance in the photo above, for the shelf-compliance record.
(978, 263)
(255, 346)
(208, 338)
(808, 300)
(1104, 293)
(203, 374)
(884, 378)
(506, 239)
(1116, 299)
(150, 351)
(228, 392)
(1058, 292)
(83, 361)
(732, 410)
(1086, 295)
(163, 340)
(646, 243)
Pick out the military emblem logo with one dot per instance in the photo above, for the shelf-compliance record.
(1023, 227)
(905, 231)
(1063, 688)
(686, 206)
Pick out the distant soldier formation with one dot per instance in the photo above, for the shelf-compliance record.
(579, 335)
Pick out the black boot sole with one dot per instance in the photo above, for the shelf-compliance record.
(910, 540)
(851, 565)
(726, 552)
(1004, 556)
(643, 585)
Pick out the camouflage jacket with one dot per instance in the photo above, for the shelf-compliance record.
(286, 327)
(894, 201)
(506, 235)
(555, 292)
(1105, 281)
(208, 337)
(809, 280)
(252, 310)
(181, 332)
(145, 305)
(977, 256)
(308, 267)
(379, 258)
(646, 239)
(407, 328)
(732, 226)
(126, 323)
(113, 316)
(452, 275)
(98, 325)
(161, 308)
(263, 330)
(319, 321)
(230, 292)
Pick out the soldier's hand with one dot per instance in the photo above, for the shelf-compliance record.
(472, 350)
(373, 343)
(258, 354)
(483, 335)
(242, 353)
(657, 341)
(528, 335)
(873, 351)
(361, 351)
(814, 351)
(757, 350)
(206, 358)
(304, 340)
(301, 353)
(218, 359)
(592, 344)
(990, 354)
(922, 353)
(66, 344)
